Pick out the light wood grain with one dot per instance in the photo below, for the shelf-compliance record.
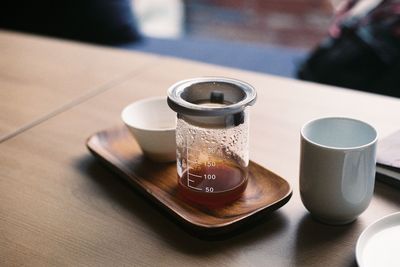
(40, 76)
(58, 206)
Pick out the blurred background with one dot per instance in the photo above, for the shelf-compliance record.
(347, 43)
(290, 23)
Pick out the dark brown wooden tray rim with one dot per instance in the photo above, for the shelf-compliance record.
(194, 227)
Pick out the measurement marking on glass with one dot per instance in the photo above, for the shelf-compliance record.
(188, 170)
(195, 175)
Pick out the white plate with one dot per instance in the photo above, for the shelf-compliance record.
(379, 243)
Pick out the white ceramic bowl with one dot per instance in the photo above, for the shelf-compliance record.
(153, 124)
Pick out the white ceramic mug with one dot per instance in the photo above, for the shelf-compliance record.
(337, 168)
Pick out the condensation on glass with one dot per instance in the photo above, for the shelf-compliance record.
(212, 138)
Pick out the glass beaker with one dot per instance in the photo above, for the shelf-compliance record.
(212, 138)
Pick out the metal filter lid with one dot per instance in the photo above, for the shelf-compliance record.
(210, 96)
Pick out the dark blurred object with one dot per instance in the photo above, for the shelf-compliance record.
(96, 21)
(362, 51)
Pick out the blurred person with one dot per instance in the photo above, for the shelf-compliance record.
(362, 50)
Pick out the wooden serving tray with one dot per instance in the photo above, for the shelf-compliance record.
(265, 192)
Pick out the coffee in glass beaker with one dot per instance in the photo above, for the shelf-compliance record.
(212, 137)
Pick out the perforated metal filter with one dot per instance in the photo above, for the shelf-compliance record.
(210, 96)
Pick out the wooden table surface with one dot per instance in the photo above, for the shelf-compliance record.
(59, 206)
(40, 79)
